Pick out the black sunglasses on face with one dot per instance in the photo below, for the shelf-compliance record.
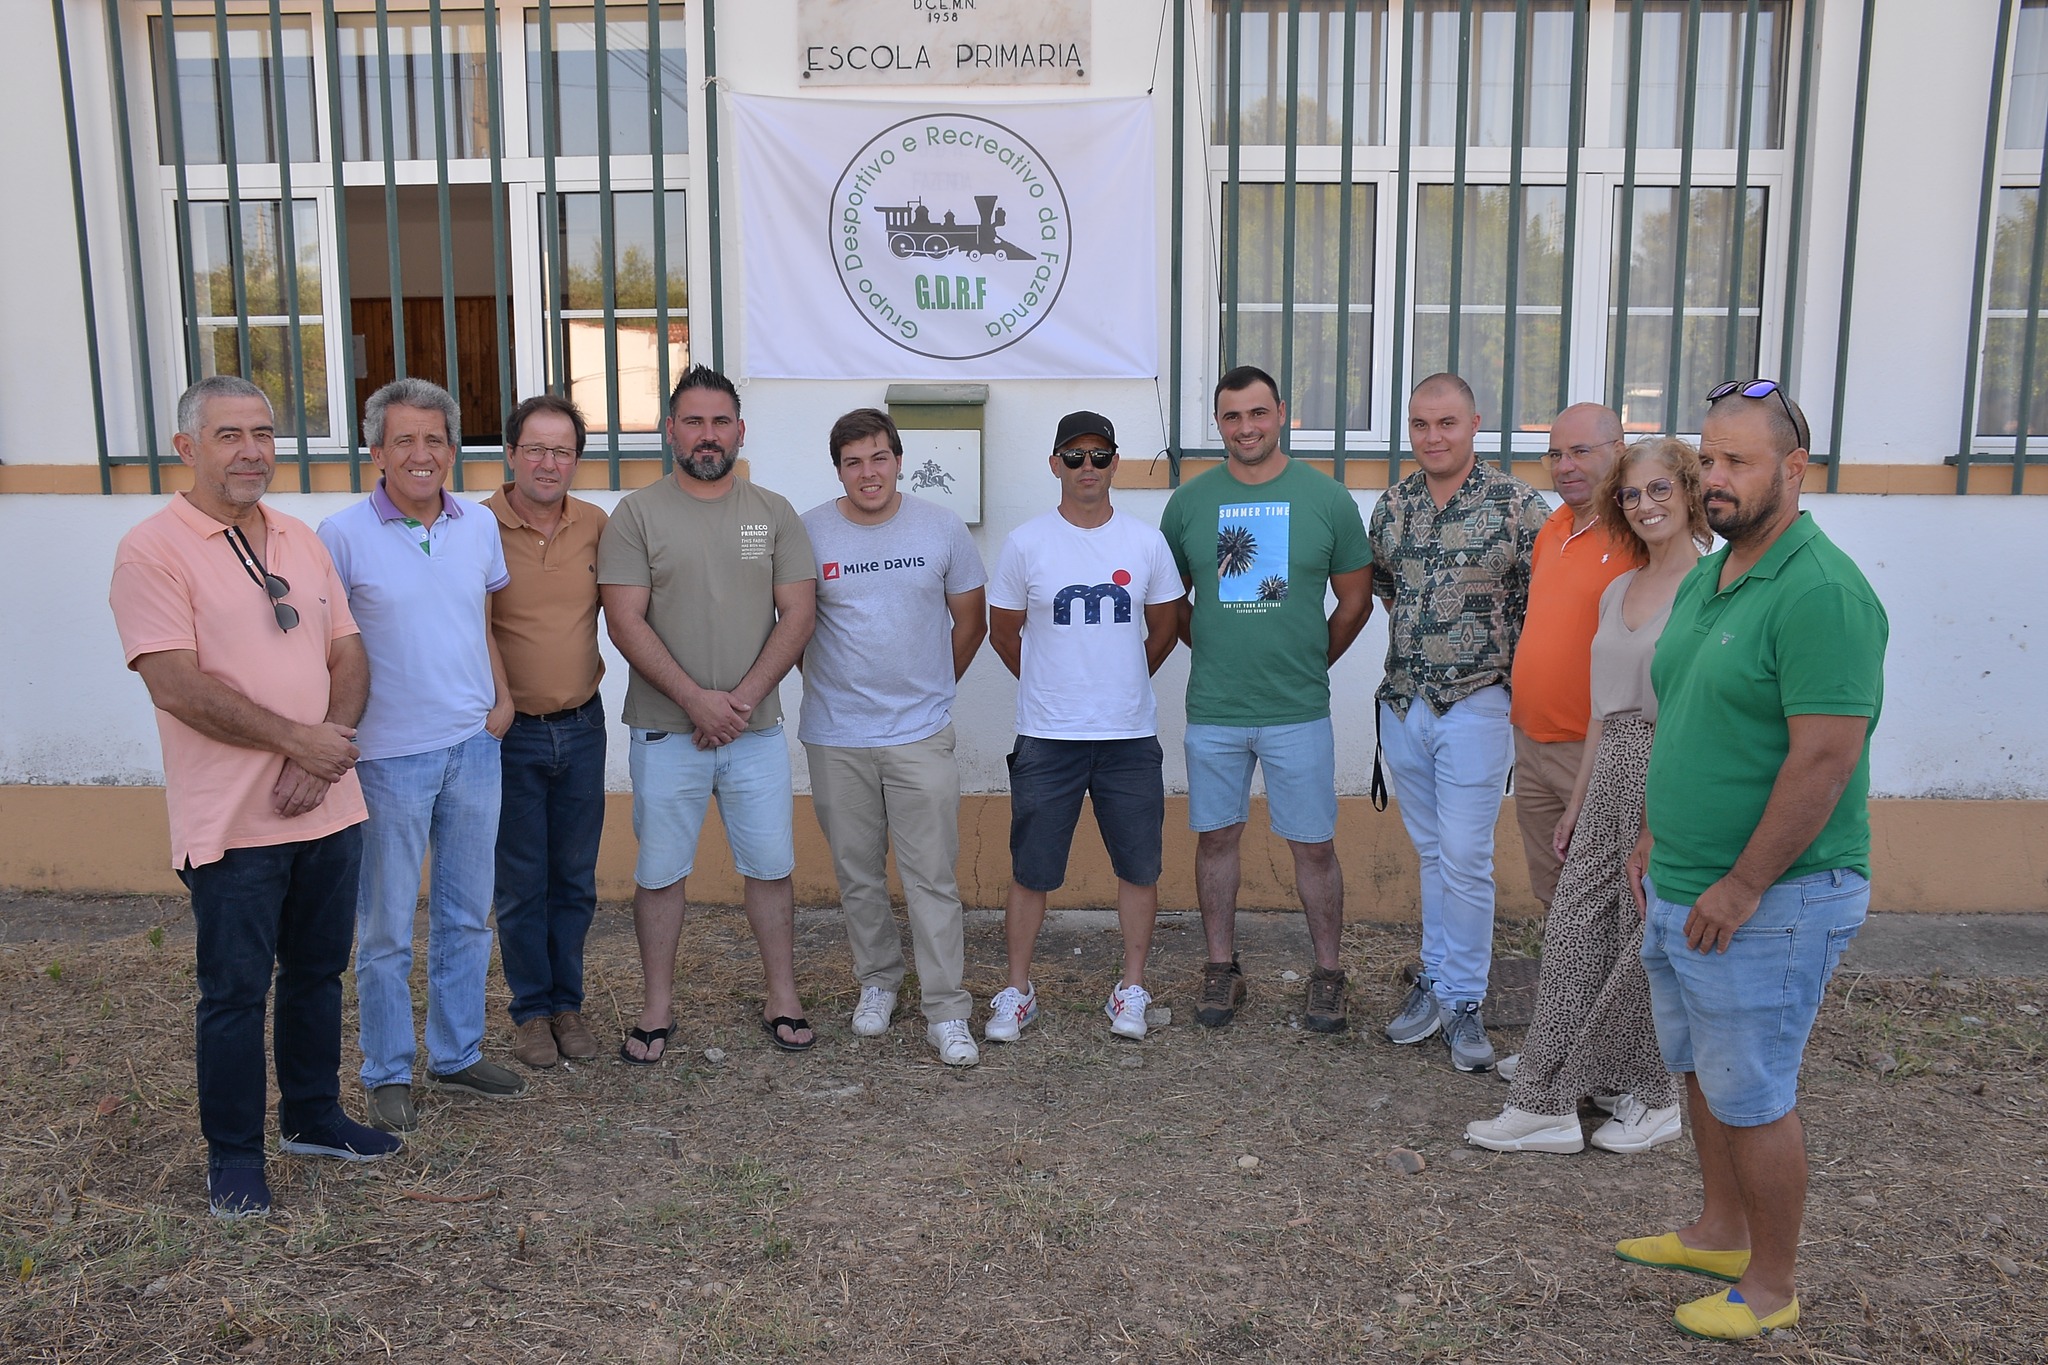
(287, 615)
(1759, 388)
(1073, 459)
(1657, 490)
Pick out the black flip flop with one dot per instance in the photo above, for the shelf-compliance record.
(773, 1028)
(646, 1038)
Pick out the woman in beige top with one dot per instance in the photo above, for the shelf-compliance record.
(1593, 1037)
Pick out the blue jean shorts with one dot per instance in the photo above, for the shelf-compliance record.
(1123, 779)
(673, 783)
(1739, 1020)
(1300, 763)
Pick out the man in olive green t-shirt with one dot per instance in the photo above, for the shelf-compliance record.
(1769, 679)
(1257, 540)
(710, 593)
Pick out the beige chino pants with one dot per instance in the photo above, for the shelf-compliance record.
(907, 795)
(1544, 777)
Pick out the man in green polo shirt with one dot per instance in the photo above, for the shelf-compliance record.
(1769, 680)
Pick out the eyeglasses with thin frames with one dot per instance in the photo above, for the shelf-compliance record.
(287, 615)
(1579, 454)
(1657, 490)
(1073, 459)
(537, 453)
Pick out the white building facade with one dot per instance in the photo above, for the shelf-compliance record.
(1564, 200)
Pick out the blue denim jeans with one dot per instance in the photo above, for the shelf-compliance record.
(553, 782)
(446, 799)
(282, 908)
(1739, 1020)
(1449, 772)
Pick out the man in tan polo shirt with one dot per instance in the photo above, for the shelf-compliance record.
(545, 624)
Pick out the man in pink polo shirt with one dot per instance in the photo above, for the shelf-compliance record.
(234, 618)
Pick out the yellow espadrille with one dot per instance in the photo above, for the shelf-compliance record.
(1666, 1252)
(1725, 1317)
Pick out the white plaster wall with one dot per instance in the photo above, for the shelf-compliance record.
(1961, 579)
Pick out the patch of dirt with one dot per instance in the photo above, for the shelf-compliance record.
(1074, 1197)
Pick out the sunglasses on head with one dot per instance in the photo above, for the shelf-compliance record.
(1761, 388)
(1073, 459)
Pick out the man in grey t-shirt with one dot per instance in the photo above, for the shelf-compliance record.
(900, 614)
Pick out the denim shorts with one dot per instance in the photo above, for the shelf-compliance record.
(1738, 1021)
(673, 783)
(1125, 781)
(1300, 763)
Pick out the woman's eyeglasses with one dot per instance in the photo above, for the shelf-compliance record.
(1657, 490)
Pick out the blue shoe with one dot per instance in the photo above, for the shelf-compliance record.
(237, 1192)
(345, 1140)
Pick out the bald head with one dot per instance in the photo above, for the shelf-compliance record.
(1446, 387)
(1585, 441)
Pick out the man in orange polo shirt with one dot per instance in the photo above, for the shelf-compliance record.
(235, 619)
(1552, 688)
(552, 761)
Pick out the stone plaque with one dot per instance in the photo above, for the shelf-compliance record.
(944, 42)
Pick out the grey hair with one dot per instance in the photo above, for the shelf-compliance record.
(192, 402)
(411, 392)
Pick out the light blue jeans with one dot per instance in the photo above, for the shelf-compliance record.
(1449, 772)
(446, 800)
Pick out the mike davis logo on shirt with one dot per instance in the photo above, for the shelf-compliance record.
(832, 568)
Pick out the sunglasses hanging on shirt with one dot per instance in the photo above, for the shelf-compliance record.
(287, 615)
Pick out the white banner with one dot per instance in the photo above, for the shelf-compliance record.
(949, 242)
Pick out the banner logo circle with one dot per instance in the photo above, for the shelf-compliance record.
(950, 235)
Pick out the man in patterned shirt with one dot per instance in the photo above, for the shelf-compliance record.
(1452, 544)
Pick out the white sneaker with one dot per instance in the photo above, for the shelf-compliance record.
(954, 1041)
(1518, 1130)
(1636, 1127)
(1126, 1010)
(872, 1015)
(1505, 1068)
(1009, 1012)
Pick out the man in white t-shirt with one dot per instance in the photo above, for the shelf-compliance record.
(901, 612)
(1082, 610)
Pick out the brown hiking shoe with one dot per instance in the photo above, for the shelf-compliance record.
(1223, 990)
(1326, 1002)
(573, 1037)
(533, 1042)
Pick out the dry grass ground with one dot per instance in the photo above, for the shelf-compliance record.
(1072, 1198)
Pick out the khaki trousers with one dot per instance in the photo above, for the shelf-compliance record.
(1544, 777)
(907, 795)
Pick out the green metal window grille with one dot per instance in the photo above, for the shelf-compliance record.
(411, 246)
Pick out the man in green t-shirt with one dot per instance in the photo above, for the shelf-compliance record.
(710, 592)
(1257, 540)
(1769, 680)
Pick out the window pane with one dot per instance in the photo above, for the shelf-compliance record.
(1318, 311)
(1723, 24)
(573, 45)
(582, 291)
(1482, 307)
(464, 87)
(1703, 340)
(251, 89)
(2005, 323)
(1491, 93)
(2028, 113)
(1319, 79)
(213, 292)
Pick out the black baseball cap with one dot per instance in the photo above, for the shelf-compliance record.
(1078, 424)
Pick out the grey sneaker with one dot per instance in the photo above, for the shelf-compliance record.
(1465, 1036)
(1419, 1016)
(391, 1109)
(486, 1080)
